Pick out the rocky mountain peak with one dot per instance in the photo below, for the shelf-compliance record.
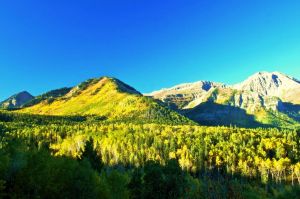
(269, 84)
(17, 100)
(199, 86)
(182, 95)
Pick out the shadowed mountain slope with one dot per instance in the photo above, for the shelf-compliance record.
(17, 100)
(265, 98)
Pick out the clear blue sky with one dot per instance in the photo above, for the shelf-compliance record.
(148, 44)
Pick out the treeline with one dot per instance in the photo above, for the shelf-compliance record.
(270, 154)
(91, 158)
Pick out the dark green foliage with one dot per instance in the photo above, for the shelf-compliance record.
(136, 184)
(175, 182)
(37, 174)
(153, 181)
(84, 85)
(49, 96)
(29, 119)
(91, 155)
(126, 88)
(117, 183)
(158, 181)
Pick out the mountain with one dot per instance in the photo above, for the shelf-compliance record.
(17, 100)
(273, 84)
(265, 98)
(109, 98)
(182, 95)
(49, 96)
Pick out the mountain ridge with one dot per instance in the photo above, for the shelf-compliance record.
(17, 100)
(109, 98)
(258, 96)
(267, 98)
(271, 84)
(174, 94)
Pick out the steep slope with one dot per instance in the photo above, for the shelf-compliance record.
(49, 96)
(185, 95)
(17, 100)
(263, 99)
(225, 106)
(109, 98)
(273, 84)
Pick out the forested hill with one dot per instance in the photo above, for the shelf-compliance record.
(108, 98)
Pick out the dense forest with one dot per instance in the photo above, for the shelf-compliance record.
(88, 157)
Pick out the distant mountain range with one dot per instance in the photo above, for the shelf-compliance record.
(264, 99)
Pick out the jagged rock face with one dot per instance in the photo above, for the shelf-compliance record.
(252, 101)
(249, 101)
(185, 95)
(262, 89)
(266, 90)
(17, 100)
(272, 84)
(261, 93)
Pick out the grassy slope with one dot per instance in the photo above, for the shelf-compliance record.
(110, 98)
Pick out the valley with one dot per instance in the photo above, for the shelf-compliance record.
(195, 140)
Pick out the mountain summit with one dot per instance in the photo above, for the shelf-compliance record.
(109, 98)
(182, 95)
(17, 100)
(272, 84)
(270, 98)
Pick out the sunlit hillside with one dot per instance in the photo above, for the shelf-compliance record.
(108, 98)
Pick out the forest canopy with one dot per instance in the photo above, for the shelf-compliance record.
(86, 157)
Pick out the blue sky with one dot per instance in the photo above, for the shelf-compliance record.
(148, 44)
